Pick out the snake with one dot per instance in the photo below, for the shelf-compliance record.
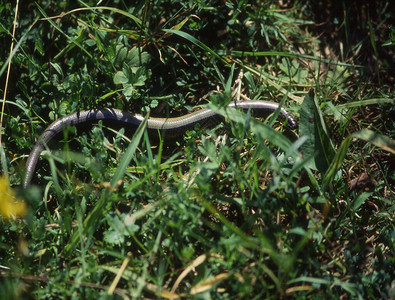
(174, 126)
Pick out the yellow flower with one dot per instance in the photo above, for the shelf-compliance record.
(10, 206)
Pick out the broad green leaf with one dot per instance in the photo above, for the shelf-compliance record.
(132, 58)
(128, 91)
(137, 57)
(120, 78)
(113, 237)
(119, 228)
(318, 144)
(120, 55)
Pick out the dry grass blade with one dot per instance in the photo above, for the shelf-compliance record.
(198, 261)
(8, 70)
(208, 284)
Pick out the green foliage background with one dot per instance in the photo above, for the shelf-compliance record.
(238, 211)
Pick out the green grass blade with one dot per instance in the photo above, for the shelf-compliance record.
(229, 82)
(360, 103)
(195, 41)
(376, 139)
(82, 36)
(372, 137)
(336, 163)
(283, 54)
(373, 43)
(270, 81)
(113, 9)
(72, 40)
(263, 131)
(3, 161)
(129, 153)
(95, 217)
(16, 48)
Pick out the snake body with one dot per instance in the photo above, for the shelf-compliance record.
(173, 126)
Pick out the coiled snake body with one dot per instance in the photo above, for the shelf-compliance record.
(175, 126)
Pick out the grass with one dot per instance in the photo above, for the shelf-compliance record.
(247, 209)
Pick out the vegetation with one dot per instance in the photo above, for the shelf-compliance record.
(248, 209)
